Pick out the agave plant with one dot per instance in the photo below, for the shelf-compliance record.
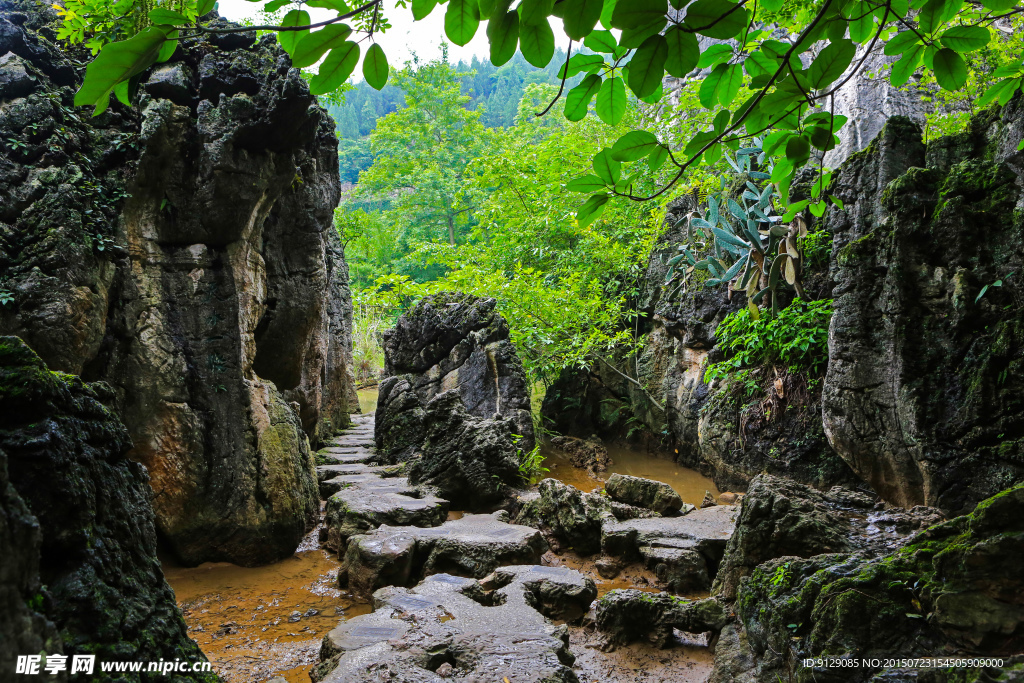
(747, 242)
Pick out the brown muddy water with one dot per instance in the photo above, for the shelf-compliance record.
(689, 484)
(244, 618)
(367, 399)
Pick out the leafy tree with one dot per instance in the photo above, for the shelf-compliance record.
(423, 152)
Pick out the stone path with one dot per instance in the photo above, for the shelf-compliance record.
(487, 630)
(684, 551)
(361, 497)
(473, 545)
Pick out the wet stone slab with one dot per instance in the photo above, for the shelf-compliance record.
(683, 551)
(483, 630)
(470, 546)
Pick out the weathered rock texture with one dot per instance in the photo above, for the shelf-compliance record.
(455, 400)
(183, 251)
(79, 573)
(448, 626)
(954, 590)
(924, 395)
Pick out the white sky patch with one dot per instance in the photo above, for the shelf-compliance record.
(403, 38)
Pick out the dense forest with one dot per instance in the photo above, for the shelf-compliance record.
(493, 91)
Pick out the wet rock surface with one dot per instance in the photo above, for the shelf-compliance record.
(952, 590)
(684, 551)
(454, 400)
(781, 518)
(183, 251)
(79, 526)
(454, 626)
(645, 493)
(571, 518)
(473, 545)
(590, 454)
(628, 615)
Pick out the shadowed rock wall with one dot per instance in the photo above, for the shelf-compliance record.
(183, 251)
(79, 573)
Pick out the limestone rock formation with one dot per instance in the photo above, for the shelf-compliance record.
(589, 454)
(79, 573)
(454, 401)
(568, 516)
(924, 385)
(646, 493)
(182, 250)
(626, 615)
(953, 590)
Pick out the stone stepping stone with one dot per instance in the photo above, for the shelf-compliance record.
(487, 630)
(360, 502)
(473, 545)
(346, 455)
(683, 551)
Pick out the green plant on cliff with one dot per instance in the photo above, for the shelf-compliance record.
(796, 338)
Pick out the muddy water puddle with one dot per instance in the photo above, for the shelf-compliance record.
(689, 484)
(245, 621)
(367, 399)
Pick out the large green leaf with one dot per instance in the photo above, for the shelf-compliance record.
(716, 18)
(683, 52)
(601, 41)
(657, 157)
(1004, 89)
(461, 21)
(937, 12)
(831, 63)
(966, 38)
(611, 101)
(950, 69)
(634, 145)
(118, 62)
(290, 39)
(577, 102)
(312, 47)
(606, 167)
(587, 183)
(422, 8)
(534, 13)
(714, 55)
(721, 85)
(999, 5)
(647, 67)
(591, 209)
(169, 17)
(636, 13)
(375, 67)
(907, 64)
(205, 7)
(901, 43)
(579, 17)
(335, 70)
(635, 37)
(503, 35)
(580, 62)
(537, 43)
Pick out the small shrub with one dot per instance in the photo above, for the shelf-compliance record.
(531, 465)
(816, 247)
(797, 338)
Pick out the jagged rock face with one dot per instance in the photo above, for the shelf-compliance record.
(455, 400)
(953, 590)
(183, 251)
(923, 396)
(24, 628)
(78, 521)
